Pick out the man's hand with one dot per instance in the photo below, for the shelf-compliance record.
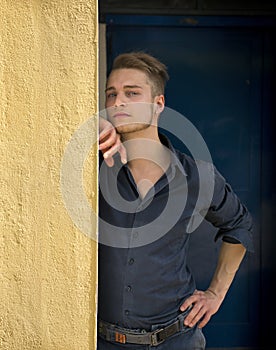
(205, 304)
(110, 143)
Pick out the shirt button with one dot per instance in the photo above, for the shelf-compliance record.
(126, 312)
(131, 261)
(135, 234)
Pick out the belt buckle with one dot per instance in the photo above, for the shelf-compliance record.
(154, 337)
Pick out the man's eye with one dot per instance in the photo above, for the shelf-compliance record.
(111, 95)
(132, 93)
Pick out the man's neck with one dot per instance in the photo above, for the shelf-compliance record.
(145, 150)
(148, 158)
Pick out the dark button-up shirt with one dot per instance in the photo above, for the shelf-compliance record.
(143, 271)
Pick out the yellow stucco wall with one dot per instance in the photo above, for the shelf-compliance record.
(48, 87)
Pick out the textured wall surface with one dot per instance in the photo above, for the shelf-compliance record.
(48, 88)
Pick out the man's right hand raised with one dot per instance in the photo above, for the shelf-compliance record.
(110, 143)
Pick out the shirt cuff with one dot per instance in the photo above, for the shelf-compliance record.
(231, 240)
(240, 236)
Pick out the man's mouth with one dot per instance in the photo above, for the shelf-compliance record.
(121, 115)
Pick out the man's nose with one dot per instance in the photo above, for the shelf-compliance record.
(119, 101)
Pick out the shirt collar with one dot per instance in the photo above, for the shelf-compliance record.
(175, 162)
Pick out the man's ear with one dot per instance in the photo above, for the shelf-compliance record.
(159, 102)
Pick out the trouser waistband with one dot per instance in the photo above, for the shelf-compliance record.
(111, 332)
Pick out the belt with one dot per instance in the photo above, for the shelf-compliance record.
(111, 332)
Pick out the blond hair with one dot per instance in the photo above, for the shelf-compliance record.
(155, 70)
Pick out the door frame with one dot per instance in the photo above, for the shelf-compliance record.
(267, 25)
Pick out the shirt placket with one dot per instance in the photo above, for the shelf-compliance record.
(133, 256)
(131, 266)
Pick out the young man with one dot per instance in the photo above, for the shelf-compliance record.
(148, 193)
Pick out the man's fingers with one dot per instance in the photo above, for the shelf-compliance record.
(109, 162)
(189, 301)
(204, 321)
(113, 149)
(194, 315)
(107, 139)
(110, 144)
(205, 304)
(123, 154)
(117, 147)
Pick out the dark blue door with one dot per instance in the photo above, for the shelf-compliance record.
(216, 81)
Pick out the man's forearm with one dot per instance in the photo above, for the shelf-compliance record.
(229, 260)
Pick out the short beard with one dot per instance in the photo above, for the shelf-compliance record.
(131, 128)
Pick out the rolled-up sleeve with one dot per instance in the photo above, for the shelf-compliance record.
(229, 215)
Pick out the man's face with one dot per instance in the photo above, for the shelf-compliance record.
(129, 100)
